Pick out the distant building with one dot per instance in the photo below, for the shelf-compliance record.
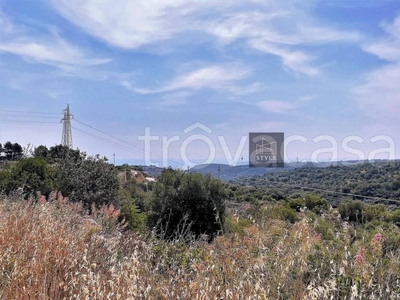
(150, 179)
(2, 154)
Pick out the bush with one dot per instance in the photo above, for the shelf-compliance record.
(88, 179)
(129, 211)
(374, 212)
(316, 203)
(237, 225)
(352, 210)
(31, 175)
(281, 212)
(323, 227)
(187, 203)
(297, 204)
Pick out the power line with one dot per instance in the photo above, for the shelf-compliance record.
(127, 143)
(26, 122)
(104, 139)
(14, 115)
(29, 112)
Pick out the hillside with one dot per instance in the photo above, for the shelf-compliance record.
(239, 172)
(379, 179)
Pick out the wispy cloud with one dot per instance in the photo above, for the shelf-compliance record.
(52, 51)
(130, 24)
(275, 27)
(297, 61)
(49, 48)
(379, 96)
(216, 77)
(175, 99)
(308, 98)
(274, 106)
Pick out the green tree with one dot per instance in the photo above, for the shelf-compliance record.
(29, 174)
(12, 151)
(129, 211)
(60, 152)
(41, 152)
(87, 179)
(186, 202)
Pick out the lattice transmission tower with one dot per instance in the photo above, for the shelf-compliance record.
(66, 139)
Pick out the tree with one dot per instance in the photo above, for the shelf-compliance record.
(87, 179)
(183, 202)
(12, 151)
(61, 152)
(29, 174)
(41, 152)
(129, 211)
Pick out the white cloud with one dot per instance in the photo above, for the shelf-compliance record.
(261, 31)
(292, 60)
(53, 52)
(379, 96)
(307, 98)
(274, 106)
(174, 99)
(388, 48)
(130, 24)
(264, 25)
(47, 48)
(216, 77)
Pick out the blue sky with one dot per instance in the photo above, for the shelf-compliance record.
(324, 72)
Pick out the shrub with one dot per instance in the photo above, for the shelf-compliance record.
(325, 228)
(280, 212)
(352, 210)
(187, 202)
(129, 211)
(237, 225)
(297, 204)
(31, 175)
(374, 212)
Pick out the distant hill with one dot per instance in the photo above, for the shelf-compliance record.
(151, 171)
(236, 173)
(370, 181)
(228, 173)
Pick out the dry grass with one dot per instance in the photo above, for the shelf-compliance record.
(54, 251)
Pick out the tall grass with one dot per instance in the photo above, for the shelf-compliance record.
(53, 250)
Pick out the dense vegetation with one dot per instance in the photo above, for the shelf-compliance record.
(178, 202)
(80, 177)
(373, 182)
(53, 250)
(76, 227)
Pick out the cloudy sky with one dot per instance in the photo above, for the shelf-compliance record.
(201, 75)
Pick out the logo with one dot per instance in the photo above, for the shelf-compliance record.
(266, 149)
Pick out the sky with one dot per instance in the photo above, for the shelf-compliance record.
(198, 76)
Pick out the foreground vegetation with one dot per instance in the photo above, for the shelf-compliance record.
(54, 250)
(189, 236)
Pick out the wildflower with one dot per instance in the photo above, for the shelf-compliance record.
(377, 243)
(377, 239)
(359, 258)
(360, 255)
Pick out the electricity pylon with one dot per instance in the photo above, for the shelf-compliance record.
(66, 139)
